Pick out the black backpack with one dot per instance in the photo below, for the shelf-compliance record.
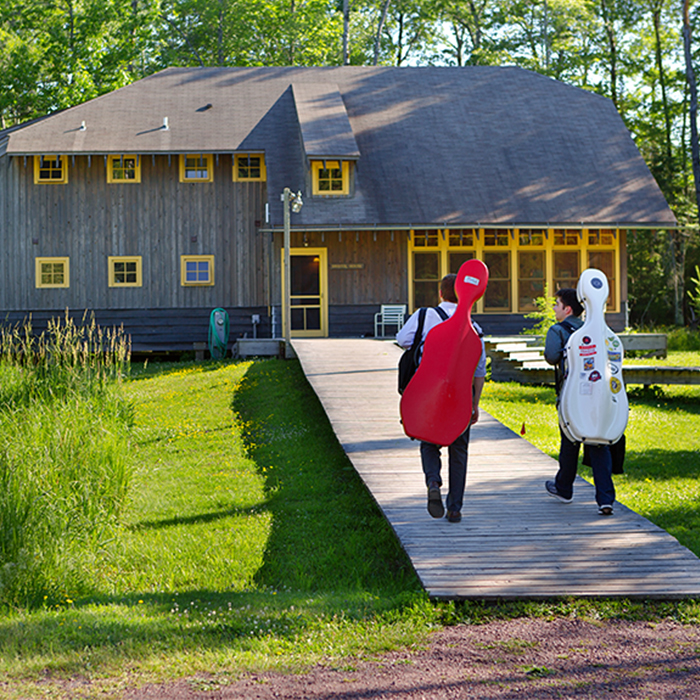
(408, 364)
(559, 373)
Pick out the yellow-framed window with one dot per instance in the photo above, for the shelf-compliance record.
(602, 254)
(249, 167)
(51, 170)
(330, 178)
(52, 273)
(432, 254)
(522, 263)
(123, 169)
(566, 269)
(196, 167)
(197, 270)
(125, 271)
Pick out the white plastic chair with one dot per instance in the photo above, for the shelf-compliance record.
(390, 315)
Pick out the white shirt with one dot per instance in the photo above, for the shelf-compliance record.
(432, 318)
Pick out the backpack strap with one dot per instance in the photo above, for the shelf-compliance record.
(568, 326)
(559, 372)
(418, 337)
(441, 313)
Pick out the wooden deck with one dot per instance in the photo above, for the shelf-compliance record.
(514, 541)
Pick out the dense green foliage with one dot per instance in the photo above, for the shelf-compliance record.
(54, 55)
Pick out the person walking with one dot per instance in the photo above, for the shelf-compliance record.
(567, 311)
(458, 451)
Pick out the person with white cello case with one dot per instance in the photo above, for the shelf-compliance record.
(592, 402)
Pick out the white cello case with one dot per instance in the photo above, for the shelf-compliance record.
(593, 406)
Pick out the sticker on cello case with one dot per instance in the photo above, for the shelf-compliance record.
(595, 376)
(596, 282)
(586, 350)
(615, 356)
(614, 369)
(589, 364)
(585, 388)
(471, 280)
(615, 385)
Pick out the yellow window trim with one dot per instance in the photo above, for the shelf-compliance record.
(119, 159)
(209, 163)
(184, 259)
(40, 262)
(112, 262)
(38, 180)
(244, 157)
(439, 243)
(318, 165)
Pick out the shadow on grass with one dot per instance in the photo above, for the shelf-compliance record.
(661, 464)
(328, 534)
(105, 630)
(192, 519)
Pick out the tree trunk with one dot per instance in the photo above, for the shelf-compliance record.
(693, 111)
(609, 24)
(380, 28)
(346, 32)
(668, 157)
(220, 38)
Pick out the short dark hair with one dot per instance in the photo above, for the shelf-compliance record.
(569, 297)
(447, 288)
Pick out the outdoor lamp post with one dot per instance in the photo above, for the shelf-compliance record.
(288, 198)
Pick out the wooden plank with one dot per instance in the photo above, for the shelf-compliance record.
(514, 541)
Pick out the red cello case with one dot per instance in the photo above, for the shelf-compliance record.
(436, 406)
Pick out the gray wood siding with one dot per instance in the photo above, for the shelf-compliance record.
(382, 279)
(159, 219)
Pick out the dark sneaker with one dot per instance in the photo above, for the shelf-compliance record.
(552, 491)
(435, 507)
(605, 510)
(454, 516)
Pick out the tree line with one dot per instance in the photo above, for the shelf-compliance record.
(639, 53)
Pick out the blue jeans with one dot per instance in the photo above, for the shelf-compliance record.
(601, 464)
(457, 453)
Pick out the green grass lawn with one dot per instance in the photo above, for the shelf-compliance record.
(251, 543)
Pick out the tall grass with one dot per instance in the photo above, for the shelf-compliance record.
(64, 449)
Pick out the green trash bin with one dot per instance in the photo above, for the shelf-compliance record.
(218, 333)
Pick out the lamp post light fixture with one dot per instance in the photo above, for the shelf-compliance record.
(294, 201)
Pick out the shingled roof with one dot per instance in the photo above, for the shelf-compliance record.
(433, 146)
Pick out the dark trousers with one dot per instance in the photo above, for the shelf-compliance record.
(601, 464)
(457, 454)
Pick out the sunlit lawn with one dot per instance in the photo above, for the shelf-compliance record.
(251, 543)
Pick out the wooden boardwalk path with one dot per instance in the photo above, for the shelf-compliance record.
(514, 541)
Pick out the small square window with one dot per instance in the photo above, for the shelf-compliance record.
(197, 270)
(196, 167)
(497, 237)
(52, 272)
(249, 168)
(125, 271)
(51, 170)
(330, 177)
(123, 168)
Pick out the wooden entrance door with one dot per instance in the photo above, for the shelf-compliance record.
(309, 299)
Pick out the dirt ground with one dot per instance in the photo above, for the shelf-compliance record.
(527, 659)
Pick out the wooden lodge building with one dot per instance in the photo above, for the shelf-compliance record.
(156, 203)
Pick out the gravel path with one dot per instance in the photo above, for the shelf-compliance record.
(526, 659)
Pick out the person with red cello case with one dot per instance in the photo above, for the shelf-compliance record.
(441, 402)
